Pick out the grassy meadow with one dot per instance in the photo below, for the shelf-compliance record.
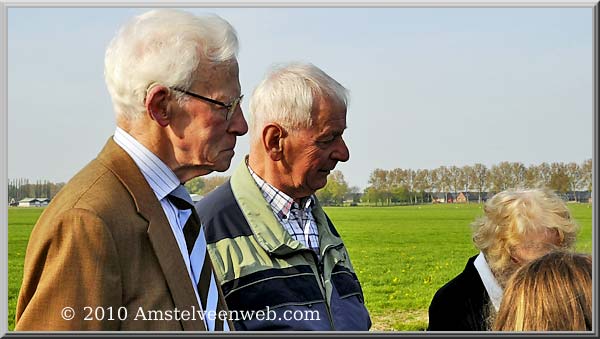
(402, 254)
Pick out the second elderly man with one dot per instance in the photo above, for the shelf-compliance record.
(273, 247)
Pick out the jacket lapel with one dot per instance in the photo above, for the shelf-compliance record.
(159, 231)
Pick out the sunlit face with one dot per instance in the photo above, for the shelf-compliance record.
(534, 245)
(204, 140)
(310, 154)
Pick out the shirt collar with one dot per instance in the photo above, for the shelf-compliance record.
(159, 176)
(283, 205)
(489, 280)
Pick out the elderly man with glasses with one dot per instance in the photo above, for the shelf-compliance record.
(276, 253)
(120, 247)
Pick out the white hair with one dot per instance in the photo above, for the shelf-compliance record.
(164, 46)
(287, 94)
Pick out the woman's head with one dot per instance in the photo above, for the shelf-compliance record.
(521, 225)
(551, 293)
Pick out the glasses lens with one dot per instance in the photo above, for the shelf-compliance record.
(233, 107)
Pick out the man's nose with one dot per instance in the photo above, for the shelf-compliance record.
(238, 124)
(341, 153)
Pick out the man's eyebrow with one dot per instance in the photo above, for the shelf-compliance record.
(342, 130)
(333, 133)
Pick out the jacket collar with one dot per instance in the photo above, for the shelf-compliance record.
(490, 283)
(268, 232)
(124, 168)
(159, 232)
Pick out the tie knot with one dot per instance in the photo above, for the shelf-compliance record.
(181, 198)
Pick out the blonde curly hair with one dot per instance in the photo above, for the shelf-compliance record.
(513, 214)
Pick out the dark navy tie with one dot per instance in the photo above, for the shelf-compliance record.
(199, 260)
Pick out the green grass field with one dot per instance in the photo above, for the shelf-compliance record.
(402, 255)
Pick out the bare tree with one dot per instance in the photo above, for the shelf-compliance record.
(454, 174)
(586, 174)
(544, 174)
(500, 176)
(559, 180)
(441, 180)
(422, 181)
(517, 176)
(532, 176)
(575, 175)
(480, 178)
(464, 180)
(410, 182)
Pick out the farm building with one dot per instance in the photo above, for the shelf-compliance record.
(579, 196)
(438, 198)
(459, 198)
(464, 197)
(33, 202)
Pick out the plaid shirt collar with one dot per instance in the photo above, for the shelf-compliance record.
(280, 202)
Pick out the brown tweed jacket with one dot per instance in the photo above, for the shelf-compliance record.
(104, 248)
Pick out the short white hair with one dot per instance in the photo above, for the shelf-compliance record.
(287, 94)
(164, 46)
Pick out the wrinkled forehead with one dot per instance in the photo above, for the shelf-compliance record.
(326, 107)
(214, 76)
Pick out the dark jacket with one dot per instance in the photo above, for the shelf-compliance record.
(262, 268)
(462, 304)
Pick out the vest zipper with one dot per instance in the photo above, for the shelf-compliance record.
(321, 282)
(321, 279)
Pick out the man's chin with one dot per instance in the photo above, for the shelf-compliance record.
(206, 169)
(318, 185)
(222, 166)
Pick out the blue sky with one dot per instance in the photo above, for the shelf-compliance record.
(429, 86)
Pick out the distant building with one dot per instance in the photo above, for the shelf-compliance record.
(461, 198)
(438, 198)
(29, 202)
(474, 196)
(458, 198)
(579, 196)
(464, 197)
(34, 202)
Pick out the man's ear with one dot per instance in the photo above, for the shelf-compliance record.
(156, 104)
(272, 137)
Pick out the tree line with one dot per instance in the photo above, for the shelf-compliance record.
(398, 185)
(417, 186)
(387, 186)
(21, 188)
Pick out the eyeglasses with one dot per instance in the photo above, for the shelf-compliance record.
(230, 107)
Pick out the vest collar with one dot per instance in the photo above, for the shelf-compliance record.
(268, 232)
